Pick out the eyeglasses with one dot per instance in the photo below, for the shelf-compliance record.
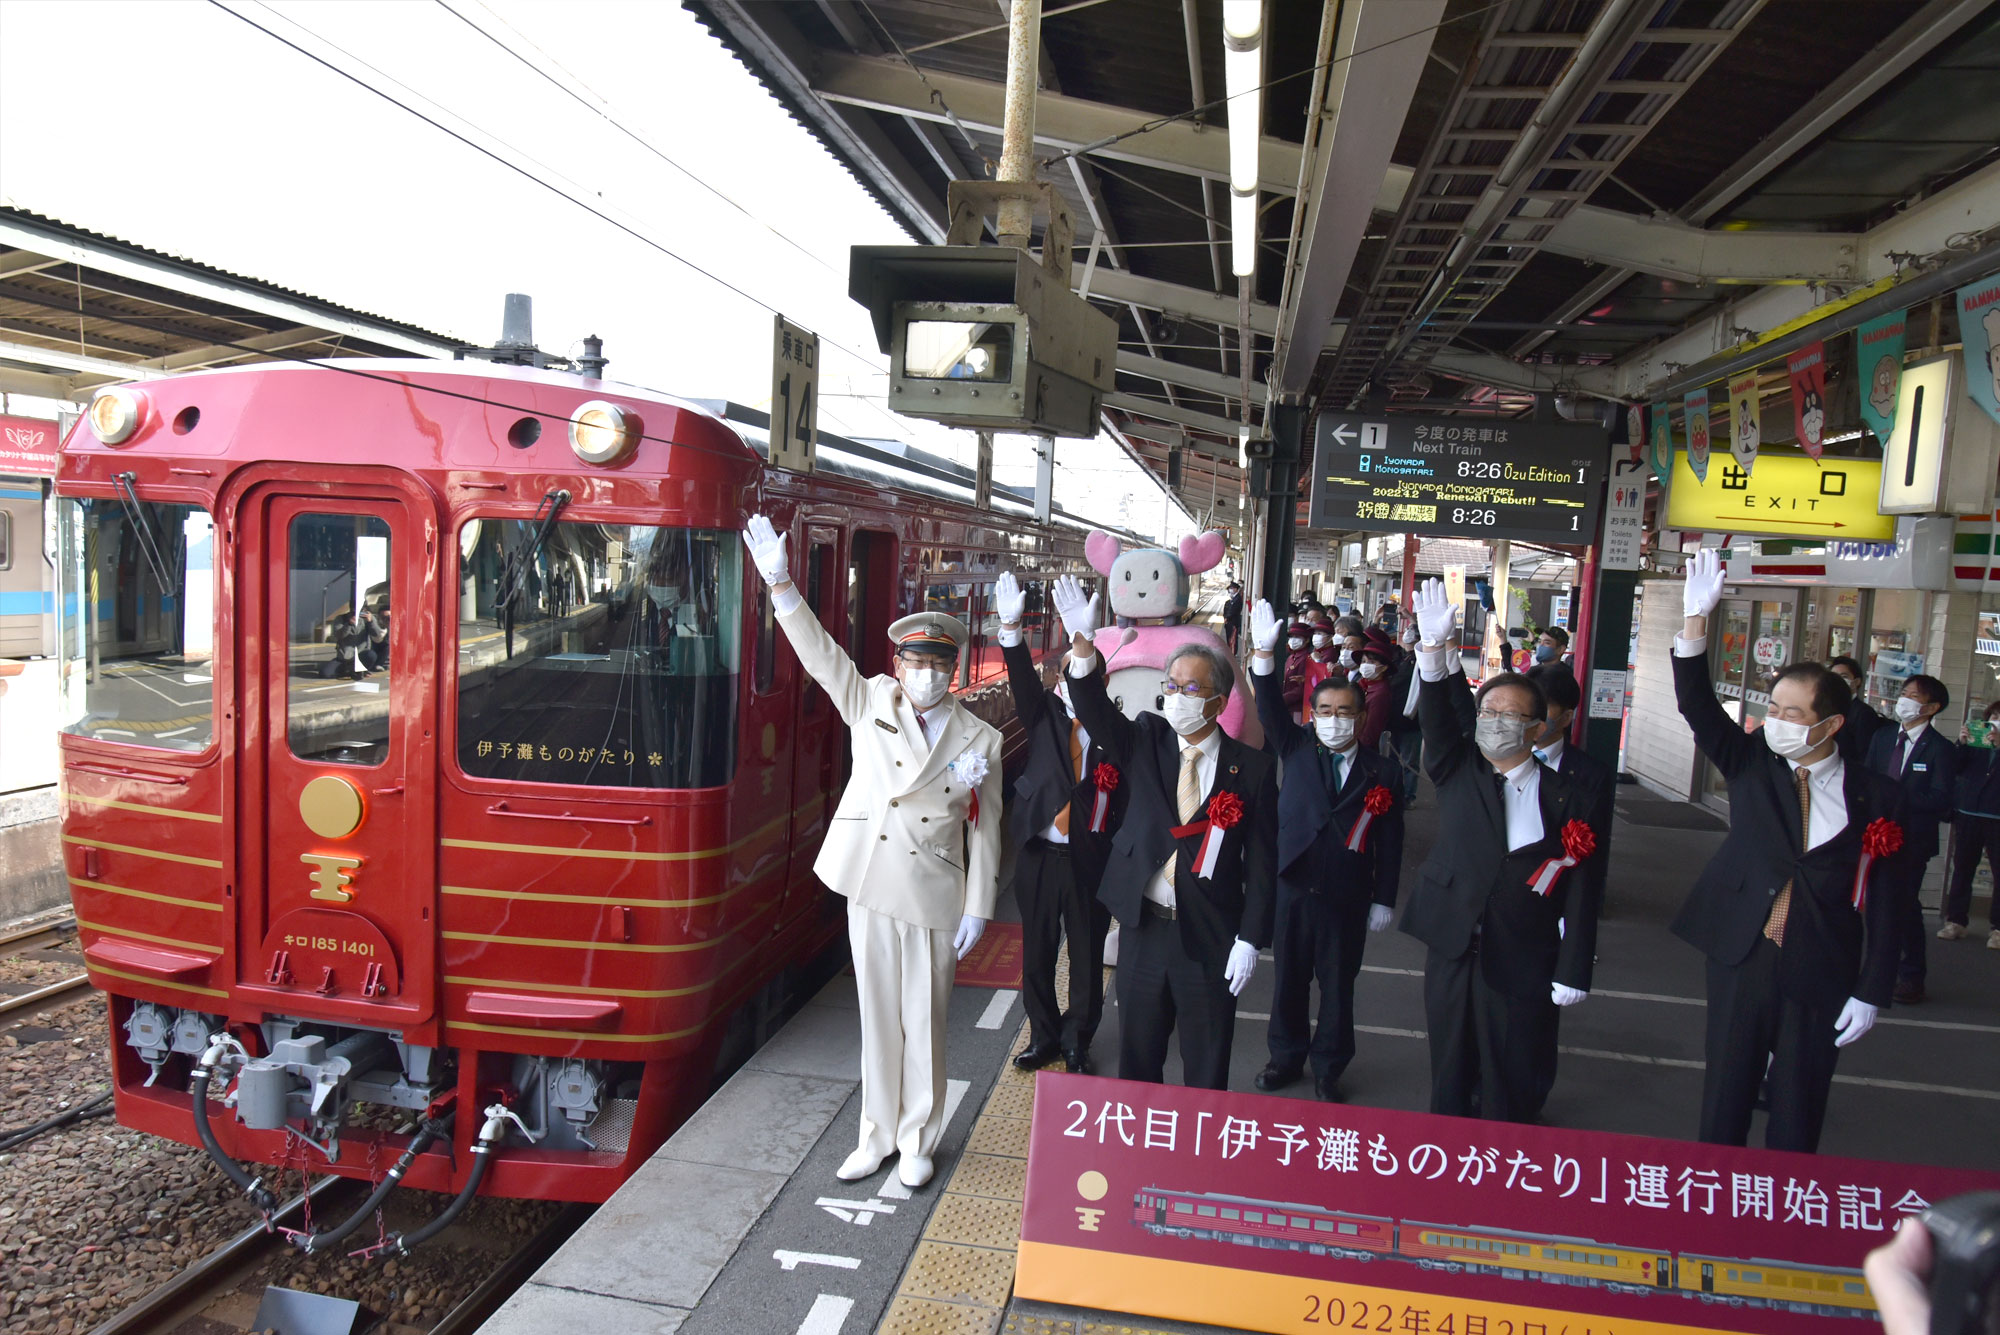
(1175, 688)
(1350, 712)
(1494, 716)
(936, 662)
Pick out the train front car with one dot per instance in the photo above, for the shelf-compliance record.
(403, 798)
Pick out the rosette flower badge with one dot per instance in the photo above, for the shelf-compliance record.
(970, 770)
(1375, 802)
(1579, 841)
(1105, 780)
(1883, 838)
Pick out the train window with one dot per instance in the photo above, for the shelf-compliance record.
(1351, 1230)
(1206, 1211)
(1853, 1286)
(6, 546)
(605, 655)
(1257, 1217)
(337, 629)
(1297, 1222)
(767, 641)
(1229, 1214)
(986, 661)
(1753, 1277)
(137, 644)
(1182, 1207)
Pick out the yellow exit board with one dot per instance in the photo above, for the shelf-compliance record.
(1785, 495)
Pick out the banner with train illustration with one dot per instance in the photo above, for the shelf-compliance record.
(1292, 1216)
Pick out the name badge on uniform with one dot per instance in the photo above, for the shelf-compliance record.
(1920, 768)
(888, 727)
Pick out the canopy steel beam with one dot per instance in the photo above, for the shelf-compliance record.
(1674, 249)
(57, 359)
(1117, 285)
(281, 341)
(1166, 412)
(1174, 373)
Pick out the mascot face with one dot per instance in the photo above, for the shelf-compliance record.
(1147, 584)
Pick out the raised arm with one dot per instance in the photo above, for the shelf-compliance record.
(1446, 744)
(1720, 737)
(1107, 727)
(1281, 726)
(822, 659)
(1030, 696)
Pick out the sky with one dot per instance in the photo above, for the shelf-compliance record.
(177, 125)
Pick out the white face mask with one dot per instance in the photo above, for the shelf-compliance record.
(1370, 670)
(1185, 714)
(1319, 641)
(1347, 658)
(1336, 734)
(1907, 708)
(926, 686)
(1790, 740)
(1295, 643)
(1498, 738)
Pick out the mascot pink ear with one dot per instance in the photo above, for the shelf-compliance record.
(1102, 549)
(1200, 553)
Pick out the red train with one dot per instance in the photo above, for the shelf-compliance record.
(432, 767)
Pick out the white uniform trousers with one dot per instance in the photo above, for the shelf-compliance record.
(903, 974)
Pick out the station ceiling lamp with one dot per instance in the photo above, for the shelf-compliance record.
(1243, 78)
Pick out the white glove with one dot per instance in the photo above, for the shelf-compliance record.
(1080, 615)
(1008, 599)
(1242, 963)
(970, 929)
(1703, 590)
(1857, 1017)
(1265, 628)
(1565, 996)
(767, 550)
(1379, 916)
(1436, 614)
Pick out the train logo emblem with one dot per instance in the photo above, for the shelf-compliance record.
(332, 875)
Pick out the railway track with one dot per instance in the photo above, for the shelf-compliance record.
(193, 1289)
(37, 936)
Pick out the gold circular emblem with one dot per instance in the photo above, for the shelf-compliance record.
(1092, 1186)
(331, 807)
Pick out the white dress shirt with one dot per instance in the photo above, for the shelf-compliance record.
(931, 720)
(1161, 889)
(1827, 812)
(1521, 793)
(1551, 753)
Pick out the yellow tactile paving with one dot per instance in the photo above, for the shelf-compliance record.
(1016, 1324)
(977, 1220)
(990, 1175)
(1012, 1098)
(999, 1135)
(921, 1316)
(959, 1274)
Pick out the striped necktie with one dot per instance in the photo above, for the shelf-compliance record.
(1781, 907)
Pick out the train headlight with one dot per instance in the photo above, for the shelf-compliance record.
(116, 413)
(602, 433)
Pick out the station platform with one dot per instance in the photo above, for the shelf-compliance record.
(739, 1225)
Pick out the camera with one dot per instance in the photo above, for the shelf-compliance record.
(1965, 1266)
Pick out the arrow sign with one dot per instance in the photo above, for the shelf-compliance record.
(1341, 432)
(793, 1260)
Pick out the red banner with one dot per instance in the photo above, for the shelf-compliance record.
(1807, 367)
(27, 447)
(1287, 1215)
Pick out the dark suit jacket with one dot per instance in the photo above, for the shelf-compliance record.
(1522, 949)
(1596, 778)
(1831, 951)
(1240, 900)
(1859, 731)
(1313, 824)
(1047, 781)
(1979, 780)
(1929, 782)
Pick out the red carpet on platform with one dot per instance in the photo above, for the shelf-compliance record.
(996, 960)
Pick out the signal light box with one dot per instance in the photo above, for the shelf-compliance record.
(1459, 477)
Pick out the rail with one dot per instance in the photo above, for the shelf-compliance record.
(35, 936)
(42, 999)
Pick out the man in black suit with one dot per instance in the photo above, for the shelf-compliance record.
(1331, 894)
(1191, 870)
(1502, 904)
(1060, 846)
(1788, 916)
(1232, 615)
(1918, 757)
(1863, 722)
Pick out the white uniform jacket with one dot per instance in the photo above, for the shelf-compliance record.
(900, 842)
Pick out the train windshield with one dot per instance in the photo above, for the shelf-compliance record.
(604, 654)
(137, 622)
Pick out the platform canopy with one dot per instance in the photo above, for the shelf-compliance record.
(79, 310)
(1459, 203)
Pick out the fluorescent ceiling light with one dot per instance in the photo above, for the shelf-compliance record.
(1243, 20)
(1243, 234)
(1243, 71)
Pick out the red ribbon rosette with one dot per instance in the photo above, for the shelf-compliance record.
(1374, 802)
(1225, 809)
(1105, 779)
(1579, 840)
(1883, 838)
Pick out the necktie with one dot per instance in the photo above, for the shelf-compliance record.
(1333, 768)
(1542, 756)
(1075, 768)
(1902, 754)
(1190, 787)
(1781, 907)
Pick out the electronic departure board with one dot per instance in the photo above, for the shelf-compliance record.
(1459, 477)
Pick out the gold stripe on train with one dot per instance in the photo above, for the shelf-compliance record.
(142, 852)
(575, 990)
(155, 982)
(156, 896)
(205, 946)
(625, 902)
(691, 855)
(146, 807)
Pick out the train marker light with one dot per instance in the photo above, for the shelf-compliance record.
(115, 414)
(602, 433)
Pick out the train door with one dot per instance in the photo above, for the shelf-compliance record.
(871, 602)
(1708, 1277)
(819, 751)
(337, 615)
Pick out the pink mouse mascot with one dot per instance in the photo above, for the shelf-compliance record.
(1147, 595)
